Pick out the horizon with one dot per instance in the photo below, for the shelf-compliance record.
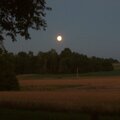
(59, 52)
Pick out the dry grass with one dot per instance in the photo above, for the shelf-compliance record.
(83, 94)
(67, 100)
(82, 83)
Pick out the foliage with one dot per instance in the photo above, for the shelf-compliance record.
(52, 63)
(8, 81)
(17, 16)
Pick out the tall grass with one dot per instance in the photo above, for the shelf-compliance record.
(89, 97)
(63, 100)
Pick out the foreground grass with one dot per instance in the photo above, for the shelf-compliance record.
(15, 114)
(77, 101)
(12, 114)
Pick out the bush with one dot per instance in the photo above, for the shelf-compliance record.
(8, 80)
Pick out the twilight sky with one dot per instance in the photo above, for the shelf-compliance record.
(90, 27)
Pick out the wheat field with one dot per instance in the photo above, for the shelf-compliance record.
(100, 94)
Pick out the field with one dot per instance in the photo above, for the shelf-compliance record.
(63, 98)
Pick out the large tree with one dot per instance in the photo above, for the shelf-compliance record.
(18, 16)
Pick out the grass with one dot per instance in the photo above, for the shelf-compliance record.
(64, 98)
(45, 76)
(77, 100)
(49, 87)
(105, 73)
(62, 76)
(13, 114)
(81, 83)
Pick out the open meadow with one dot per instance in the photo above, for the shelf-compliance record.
(71, 97)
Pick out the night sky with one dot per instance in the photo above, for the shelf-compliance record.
(90, 27)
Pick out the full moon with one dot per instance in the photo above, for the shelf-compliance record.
(59, 38)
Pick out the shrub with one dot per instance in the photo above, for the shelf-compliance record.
(8, 80)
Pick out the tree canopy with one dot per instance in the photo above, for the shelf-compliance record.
(66, 62)
(18, 16)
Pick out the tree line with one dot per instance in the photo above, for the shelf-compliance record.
(66, 62)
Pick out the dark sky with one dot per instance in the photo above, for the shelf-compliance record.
(90, 27)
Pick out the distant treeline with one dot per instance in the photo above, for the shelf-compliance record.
(53, 63)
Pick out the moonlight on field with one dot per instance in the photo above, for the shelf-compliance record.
(59, 38)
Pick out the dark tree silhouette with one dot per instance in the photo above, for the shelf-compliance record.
(52, 63)
(17, 16)
(8, 80)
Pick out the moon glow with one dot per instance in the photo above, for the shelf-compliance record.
(59, 38)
